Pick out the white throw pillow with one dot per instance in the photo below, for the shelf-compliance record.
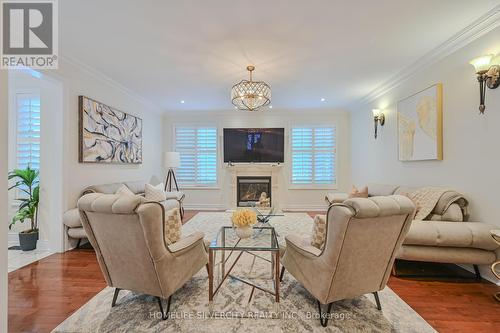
(155, 193)
(124, 190)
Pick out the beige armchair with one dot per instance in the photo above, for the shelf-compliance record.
(127, 234)
(363, 237)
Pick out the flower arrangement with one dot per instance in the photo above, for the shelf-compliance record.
(243, 218)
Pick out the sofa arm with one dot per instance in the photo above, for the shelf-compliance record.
(332, 198)
(302, 246)
(71, 218)
(186, 243)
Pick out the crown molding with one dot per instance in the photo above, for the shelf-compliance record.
(475, 30)
(109, 81)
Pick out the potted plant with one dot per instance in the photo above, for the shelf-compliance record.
(26, 183)
(243, 220)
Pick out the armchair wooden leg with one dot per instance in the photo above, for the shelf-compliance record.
(377, 300)
(164, 315)
(282, 273)
(115, 296)
(78, 244)
(323, 316)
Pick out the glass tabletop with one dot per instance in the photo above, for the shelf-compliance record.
(263, 239)
(268, 212)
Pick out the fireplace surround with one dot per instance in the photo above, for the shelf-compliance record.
(250, 188)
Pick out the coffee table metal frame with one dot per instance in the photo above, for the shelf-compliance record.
(241, 248)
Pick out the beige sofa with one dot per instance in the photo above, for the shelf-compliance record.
(128, 235)
(73, 223)
(362, 238)
(445, 235)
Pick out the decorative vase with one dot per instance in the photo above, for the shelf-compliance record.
(244, 232)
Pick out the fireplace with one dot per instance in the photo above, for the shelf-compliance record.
(250, 189)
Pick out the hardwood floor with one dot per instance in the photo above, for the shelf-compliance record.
(43, 294)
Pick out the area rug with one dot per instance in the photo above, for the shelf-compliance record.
(236, 308)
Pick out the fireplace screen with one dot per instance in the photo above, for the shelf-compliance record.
(254, 191)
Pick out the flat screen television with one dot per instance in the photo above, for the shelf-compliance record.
(254, 145)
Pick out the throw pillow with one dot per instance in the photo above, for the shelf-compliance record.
(155, 193)
(173, 226)
(124, 190)
(355, 193)
(319, 232)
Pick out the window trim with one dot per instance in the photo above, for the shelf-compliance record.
(215, 186)
(291, 185)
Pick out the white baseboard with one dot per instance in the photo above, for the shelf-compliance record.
(203, 207)
(305, 208)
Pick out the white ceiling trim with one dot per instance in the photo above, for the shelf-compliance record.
(109, 81)
(478, 28)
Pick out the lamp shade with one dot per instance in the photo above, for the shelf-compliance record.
(172, 159)
(482, 64)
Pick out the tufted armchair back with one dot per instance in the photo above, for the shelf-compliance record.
(363, 237)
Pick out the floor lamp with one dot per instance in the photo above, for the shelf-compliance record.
(171, 160)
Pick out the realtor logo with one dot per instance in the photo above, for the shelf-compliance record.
(29, 34)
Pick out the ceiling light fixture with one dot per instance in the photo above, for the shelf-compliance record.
(182, 102)
(323, 99)
(250, 95)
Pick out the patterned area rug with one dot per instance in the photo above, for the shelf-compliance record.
(236, 308)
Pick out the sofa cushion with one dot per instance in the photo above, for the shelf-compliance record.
(71, 218)
(124, 190)
(453, 214)
(451, 234)
(135, 186)
(376, 190)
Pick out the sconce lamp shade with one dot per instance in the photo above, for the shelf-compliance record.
(482, 64)
(172, 159)
(376, 112)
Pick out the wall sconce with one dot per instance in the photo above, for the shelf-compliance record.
(378, 118)
(488, 75)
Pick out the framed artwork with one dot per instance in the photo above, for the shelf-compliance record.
(420, 125)
(107, 135)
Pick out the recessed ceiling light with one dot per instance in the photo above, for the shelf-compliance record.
(270, 106)
(322, 99)
(182, 102)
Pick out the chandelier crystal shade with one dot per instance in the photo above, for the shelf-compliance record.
(250, 95)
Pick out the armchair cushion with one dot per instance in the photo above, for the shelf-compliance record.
(318, 236)
(301, 245)
(187, 242)
(173, 226)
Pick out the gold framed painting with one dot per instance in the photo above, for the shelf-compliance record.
(420, 125)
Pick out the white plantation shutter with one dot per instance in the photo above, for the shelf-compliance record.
(28, 131)
(198, 149)
(313, 155)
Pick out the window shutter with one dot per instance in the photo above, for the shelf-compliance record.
(313, 155)
(28, 131)
(198, 149)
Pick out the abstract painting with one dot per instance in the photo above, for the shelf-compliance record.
(108, 135)
(420, 125)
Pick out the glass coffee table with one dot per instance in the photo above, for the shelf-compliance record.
(226, 250)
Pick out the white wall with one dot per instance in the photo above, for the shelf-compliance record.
(3, 198)
(293, 198)
(64, 177)
(471, 161)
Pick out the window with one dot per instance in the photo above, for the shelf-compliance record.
(313, 156)
(28, 131)
(198, 149)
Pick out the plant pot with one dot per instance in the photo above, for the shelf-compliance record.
(244, 232)
(28, 239)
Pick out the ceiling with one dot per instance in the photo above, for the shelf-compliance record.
(195, 50)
